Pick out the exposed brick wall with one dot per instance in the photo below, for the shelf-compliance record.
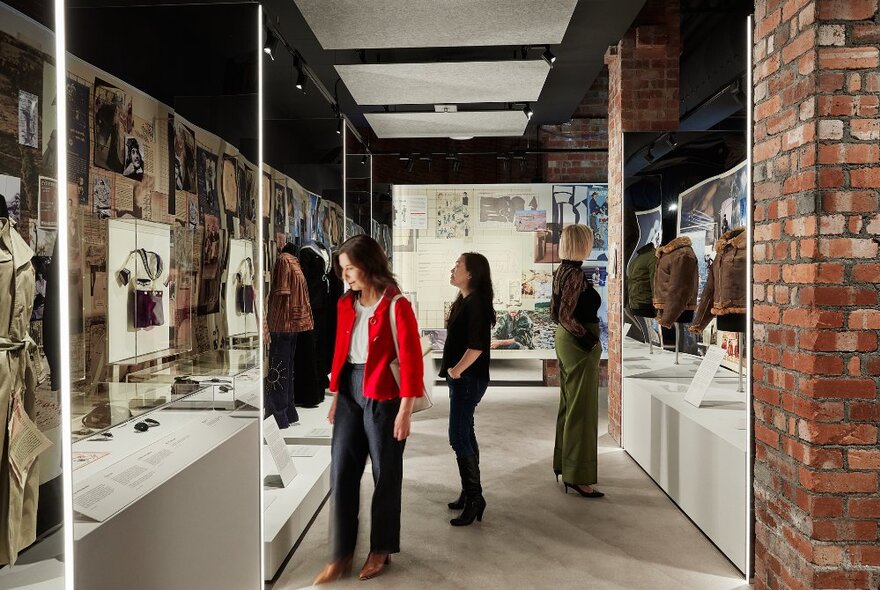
(643, 93)
(815, 369)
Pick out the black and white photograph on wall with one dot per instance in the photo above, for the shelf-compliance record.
(246, 203)
(437, 337)
(312, 224)
(206, 179)
(453, 215)
(650, 224)
(184, 157)
(294, 215)
(501, 208)
(10, 191)
(114, 120)
(78, 137)
(337, 226)
(212, 251)
(41, 271)
(586, 204)
(250, 183)
(134, 159)
(192, 213)
(102, 196)
(229, 183)
(710, 209)
(28, 119)
(530, 220)
(278, 206)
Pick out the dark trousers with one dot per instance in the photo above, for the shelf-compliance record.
(279, 382)
(465, 394)
(363, 427)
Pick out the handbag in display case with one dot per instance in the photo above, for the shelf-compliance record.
(244, 290)
(148, 303)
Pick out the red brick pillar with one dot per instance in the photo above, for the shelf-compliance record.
(643, 91)
(587, 130)
(816, 224)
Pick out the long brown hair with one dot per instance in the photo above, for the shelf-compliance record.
(367, 255)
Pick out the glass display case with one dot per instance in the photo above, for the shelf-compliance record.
(233, 377)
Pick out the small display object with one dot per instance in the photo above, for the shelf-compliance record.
(240, 290)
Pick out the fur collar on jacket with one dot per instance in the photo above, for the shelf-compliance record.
(735, 238)
(675, 244)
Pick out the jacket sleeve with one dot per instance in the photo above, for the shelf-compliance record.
(570, 292)
(281, 277)
(339, 355)
(412, 365)
(679, 289)
(703, 315)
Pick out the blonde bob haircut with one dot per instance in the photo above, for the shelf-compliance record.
(576, 242)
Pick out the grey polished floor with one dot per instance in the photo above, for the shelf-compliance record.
(532, 535)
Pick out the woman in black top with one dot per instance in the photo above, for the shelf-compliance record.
(466, 368)
(574, 307)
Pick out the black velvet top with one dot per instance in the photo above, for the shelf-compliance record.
(468, 327)
(575, 303)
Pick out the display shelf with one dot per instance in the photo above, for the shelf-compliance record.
(234, 376)
(696, 455)
(103, 406)
(639, 362)
(288, 512)
(312, 428)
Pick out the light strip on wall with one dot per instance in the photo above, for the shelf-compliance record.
(64, 290)
(260, 273)
(370, 157)
(344, 179)
(747, 346)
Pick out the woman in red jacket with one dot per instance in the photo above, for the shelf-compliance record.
(370, 411)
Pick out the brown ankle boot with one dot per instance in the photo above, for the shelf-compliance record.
(334, 570)
(374, 565)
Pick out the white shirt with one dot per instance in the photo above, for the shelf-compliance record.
(360, 335)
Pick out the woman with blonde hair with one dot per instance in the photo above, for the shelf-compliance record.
(574, 307)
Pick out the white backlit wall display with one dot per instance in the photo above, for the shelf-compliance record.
(517, 228)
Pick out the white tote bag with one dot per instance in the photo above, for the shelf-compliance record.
(424, 402)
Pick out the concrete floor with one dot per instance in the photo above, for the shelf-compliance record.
(532, 535)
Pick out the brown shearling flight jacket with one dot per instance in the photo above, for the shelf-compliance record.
(725, 290)
(676, 280)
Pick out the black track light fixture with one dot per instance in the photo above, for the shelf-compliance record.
(271, 44)
(410, 163)
(364, 160)
(670, 139)
(548, 57)
(527, 111)
(301, 77)
(649, 156)
(340, 125)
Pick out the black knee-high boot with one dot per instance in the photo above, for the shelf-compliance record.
(474, 503)
(459, 504)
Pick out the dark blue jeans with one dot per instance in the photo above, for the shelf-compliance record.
(279, 383)
(362, 427)
(465, 394)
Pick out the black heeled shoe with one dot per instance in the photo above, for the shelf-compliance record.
(458, 504)
(473, 510)
(557, 474)
(575, 487)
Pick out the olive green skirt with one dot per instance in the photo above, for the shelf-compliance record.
(575, 454)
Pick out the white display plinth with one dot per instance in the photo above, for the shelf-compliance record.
(43, 575)
(172, 536)
(696, 455)
(289, 511)
(312, 428)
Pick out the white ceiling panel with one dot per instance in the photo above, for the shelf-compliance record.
(466, 124)
(435, 83)
(388, 24)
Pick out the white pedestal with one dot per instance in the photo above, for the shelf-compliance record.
(198, 529)
(289, 511)
(696, 455)
(312, 428)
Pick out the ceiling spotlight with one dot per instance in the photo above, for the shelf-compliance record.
(410, 163)
(340, 127)
(548, 57)
(670, 139)
(650, 155)
(527, 110)
(271, 44)
(672, 207)
(364, 160)
(456, 166)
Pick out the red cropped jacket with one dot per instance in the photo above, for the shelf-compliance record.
(379, 382)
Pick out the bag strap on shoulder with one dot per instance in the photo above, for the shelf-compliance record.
(394, 323)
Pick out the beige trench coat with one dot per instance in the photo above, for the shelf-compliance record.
(18, 502)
